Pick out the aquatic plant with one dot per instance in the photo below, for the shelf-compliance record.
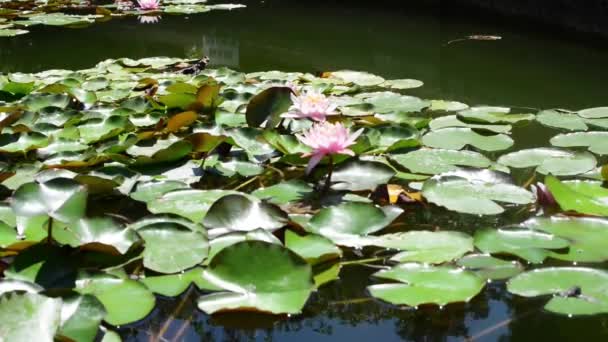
(149, 5)
(311, 105)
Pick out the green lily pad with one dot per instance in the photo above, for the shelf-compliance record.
(172, 285)
(435, 161)
(424, 284)
(171, 247)
(425, 246)
(475, 196)
(240, 213)
(449, 121)
(96, 231)
(29, 317)
(594, 113)
(60, 198)
(351, 220)
(114, 292)
(403, 84)
(558, 119)
(285, 192)
(587, 197)
(565, 283)
(359, 78)
(596, 142)
(190, 203)
(458, 138)
(533, 246)
(242, 270)
(493, 115)
(80, 317)
(361, 175)
(550, 161)
(489, 267)
(587, 236)
(313, 248)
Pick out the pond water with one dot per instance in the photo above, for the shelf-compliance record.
(529, 68)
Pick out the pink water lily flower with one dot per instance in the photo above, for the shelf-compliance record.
(312, 105)
(149, 4)
(325, 139)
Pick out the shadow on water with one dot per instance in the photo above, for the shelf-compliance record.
(526, 68)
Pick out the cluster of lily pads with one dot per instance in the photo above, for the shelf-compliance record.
(133, 179)
(17, 15)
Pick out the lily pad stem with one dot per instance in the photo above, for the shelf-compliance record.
(50, 231)
(330, 171)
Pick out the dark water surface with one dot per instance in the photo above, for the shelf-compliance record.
(529, 67)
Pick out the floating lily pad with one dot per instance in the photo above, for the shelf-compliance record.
(458, 138)
(577, 291)
(587, 236)
(440, 285)
(473, 196)
(242, 270)
(361, 175)
(550, 161)
(190, 203)
(312, 248)
(286, 192)
(435, 161)
(171, 247)
(597, 142)
(403, 84)
(80, 317)
(594, 113)
(114, 292)
(97, 234)
(533, 246)
(493, 115)
(426, 246)
(489, 267)
(453, 121)
(360, 78)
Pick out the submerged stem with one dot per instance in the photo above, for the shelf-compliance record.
(362, 261)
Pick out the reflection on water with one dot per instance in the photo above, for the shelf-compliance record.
(397, 40)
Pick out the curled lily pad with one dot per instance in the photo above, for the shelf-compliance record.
(577, 291)
(458, 138)
(597, 142)
(473, 196)
(346, 222)
(550, 161)
(435, 161)
(489, 267)
(97, 234)
(587, 197)
(60, 198)
(424, 284)
(267, 106)
(241, 213)
(533, 246)
(242, 270)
